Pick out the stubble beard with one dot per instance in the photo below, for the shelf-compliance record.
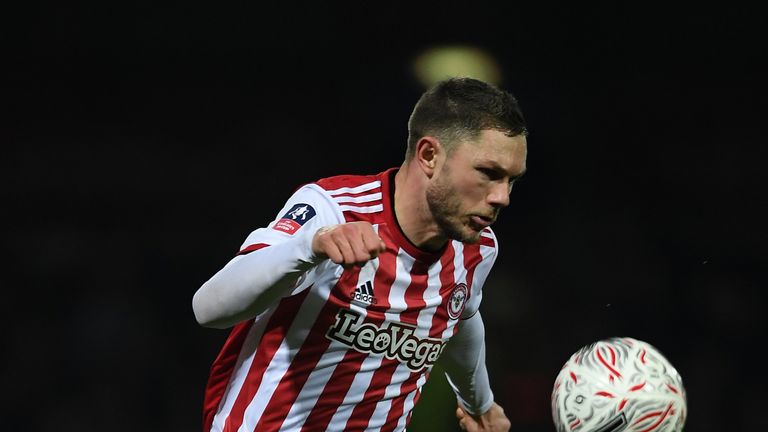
(445, 207)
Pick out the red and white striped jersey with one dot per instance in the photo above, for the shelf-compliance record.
(346, 349)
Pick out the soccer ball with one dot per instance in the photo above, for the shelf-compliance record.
(618, 384)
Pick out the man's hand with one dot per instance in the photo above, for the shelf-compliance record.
(349, 244)
(492, 420)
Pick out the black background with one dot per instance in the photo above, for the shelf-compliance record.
(143, 142)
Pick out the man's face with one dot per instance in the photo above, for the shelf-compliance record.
(473, 183)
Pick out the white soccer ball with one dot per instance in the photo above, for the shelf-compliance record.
(618, 384)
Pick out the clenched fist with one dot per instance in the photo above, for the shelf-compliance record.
(348, 244)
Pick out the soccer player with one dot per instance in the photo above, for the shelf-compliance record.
(343, 303)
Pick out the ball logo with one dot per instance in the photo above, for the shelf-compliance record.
(457, 300)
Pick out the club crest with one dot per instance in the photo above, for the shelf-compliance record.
(457, 300)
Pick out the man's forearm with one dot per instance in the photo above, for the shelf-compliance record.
(464, 365)
(249, 284)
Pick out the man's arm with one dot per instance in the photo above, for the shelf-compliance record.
(250, 283)
(464, 365)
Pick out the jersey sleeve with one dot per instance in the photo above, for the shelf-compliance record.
(464, 364)
(273, 262)
(489, 250)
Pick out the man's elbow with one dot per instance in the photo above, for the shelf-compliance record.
(204, 314)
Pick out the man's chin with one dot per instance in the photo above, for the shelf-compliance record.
(465, 233)
(475, 230)
(469, 235)
(472, 239)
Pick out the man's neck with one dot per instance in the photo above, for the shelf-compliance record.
(412, 211)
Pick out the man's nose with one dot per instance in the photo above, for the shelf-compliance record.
(499, 195)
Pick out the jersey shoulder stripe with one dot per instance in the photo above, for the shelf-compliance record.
(358, 197)
(349, 184)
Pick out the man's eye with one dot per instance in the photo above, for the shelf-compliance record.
(489, 173)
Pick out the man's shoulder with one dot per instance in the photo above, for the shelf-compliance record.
(349, 183)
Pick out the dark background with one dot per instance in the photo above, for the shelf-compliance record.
(142, 142)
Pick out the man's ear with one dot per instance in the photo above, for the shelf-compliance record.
(428, 149)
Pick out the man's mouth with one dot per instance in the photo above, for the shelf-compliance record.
(482, 221)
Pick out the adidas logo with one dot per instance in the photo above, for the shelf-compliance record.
(364, 293)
